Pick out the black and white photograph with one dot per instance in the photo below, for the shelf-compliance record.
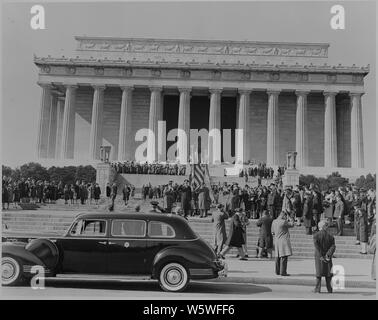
(205, 152)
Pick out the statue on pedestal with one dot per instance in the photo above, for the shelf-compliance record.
(291, 160)
(105, 153)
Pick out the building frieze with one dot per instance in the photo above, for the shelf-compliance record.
(202, 47)
(45, 64)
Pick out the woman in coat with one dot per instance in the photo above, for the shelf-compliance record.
(362, 229)
(235, 237)
(307, 213)
(373, 247)
(282, 244)
(97, 193)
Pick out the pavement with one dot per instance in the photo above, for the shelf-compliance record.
(357, 272)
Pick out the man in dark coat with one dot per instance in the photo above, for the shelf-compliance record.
(265, 241)
(186, 197)
(235, 237)
(307, 213)
(324, 249)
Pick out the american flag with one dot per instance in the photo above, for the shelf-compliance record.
(198, 174)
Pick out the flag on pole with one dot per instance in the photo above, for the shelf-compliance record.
(197, 174)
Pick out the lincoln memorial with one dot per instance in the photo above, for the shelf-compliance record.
(284, 96)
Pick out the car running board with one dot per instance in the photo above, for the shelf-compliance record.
(101, 277)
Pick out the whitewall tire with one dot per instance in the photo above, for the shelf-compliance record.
(173, 277)
(11, 271)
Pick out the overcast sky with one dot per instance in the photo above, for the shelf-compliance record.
(255, 21)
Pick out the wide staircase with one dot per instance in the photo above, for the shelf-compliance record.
(56, 222)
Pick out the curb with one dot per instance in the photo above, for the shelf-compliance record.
(287, 281)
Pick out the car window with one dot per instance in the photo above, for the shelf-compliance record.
(157, 229)
(89, 228)
(128, 228)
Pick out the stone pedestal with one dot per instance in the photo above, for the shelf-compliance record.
(104, 174)
(290, 178)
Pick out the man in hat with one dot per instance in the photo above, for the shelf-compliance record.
(156, 208)
(273, 201)
(287, 205)
(186, 197)
(324, 249)
(218, 218)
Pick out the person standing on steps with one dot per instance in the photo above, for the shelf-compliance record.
(282, 244)
(324, 249)
(265, 241)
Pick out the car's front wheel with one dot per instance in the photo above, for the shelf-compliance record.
(11, 271)
(173, 277)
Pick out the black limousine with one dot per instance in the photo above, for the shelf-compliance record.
(116, 246)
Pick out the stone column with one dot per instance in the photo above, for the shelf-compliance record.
(272, 157)
(59, 126)
(52, 127)
(125, 125)
(301, 136)
(95, 138)
(156, 115)
(242, 143)
(330, 133)
(44, 118)
(68, 130)
(215, 126)
(184, 125)
(357, 143)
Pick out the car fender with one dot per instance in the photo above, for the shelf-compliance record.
(182, 255)
(18, 250)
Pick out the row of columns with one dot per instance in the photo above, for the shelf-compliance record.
(57, 125)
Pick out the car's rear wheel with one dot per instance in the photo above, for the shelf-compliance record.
(173, 277)
(11, 271)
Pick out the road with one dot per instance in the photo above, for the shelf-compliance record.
(65, 289)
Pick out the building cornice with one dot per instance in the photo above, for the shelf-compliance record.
(46, 62)
(202, 47)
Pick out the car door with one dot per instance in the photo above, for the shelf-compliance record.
(127, 245)
(85, 248)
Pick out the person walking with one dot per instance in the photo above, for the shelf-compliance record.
(265, 240)
(113, 195)
(282, 244)
(324, 249)
(218, 219)
(235, 237)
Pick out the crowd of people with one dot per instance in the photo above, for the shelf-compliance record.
(262, 171)
(38, 191)
(133, 167)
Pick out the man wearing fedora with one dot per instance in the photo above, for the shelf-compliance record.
(324, 249)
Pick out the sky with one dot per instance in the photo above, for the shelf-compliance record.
(297, 21)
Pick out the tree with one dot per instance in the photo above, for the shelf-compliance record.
(368, 182)
(85, 173)
(34, 171)
(335, 180)
(6, 171)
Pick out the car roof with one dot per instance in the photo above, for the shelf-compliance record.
(131, 215)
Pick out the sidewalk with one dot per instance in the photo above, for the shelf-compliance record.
(302, 272)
